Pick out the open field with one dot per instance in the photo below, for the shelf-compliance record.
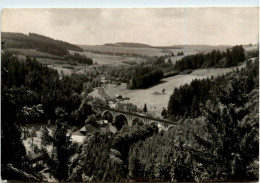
(109, 59)
(155, 51)
(32, 53)
(141, 96)
(127, 50)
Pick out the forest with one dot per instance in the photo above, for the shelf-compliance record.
(78, 58)
(31, 83)
(215, 58)
(38, 42)
(143, 77)
(186, 100)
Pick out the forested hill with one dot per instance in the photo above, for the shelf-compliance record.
(125, 44)
(38, 42)
(215, 58)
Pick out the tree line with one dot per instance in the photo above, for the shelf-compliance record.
(38, 42)
(215, 58)
(82, 59)
(144, 77)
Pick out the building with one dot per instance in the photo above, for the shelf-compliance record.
(118, 97)
(35, 160)
(90, 129)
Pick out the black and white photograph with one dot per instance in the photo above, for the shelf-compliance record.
(164, 94)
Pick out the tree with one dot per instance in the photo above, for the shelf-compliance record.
(164, 113)
(163, 90)
(61, 142)
(195, 106)
(229, 145)
(12, 148)
(145, 108)
(169, 61)
(91, 120)
(46, 138)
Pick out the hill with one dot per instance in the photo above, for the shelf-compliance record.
(140, 49)
(37, 42)
(125, 44)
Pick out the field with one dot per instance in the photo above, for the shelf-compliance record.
(154, 51)
(127, 50)
(32, 53)
(153, 96)
(143, 51)
(109, 59)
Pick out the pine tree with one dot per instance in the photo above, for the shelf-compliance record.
(62, 145)
(145, 108)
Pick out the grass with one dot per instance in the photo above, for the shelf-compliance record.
(33, 53)
(110, 59)
(127, 50)
(155, 103)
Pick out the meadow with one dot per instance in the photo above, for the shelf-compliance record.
(153, 96)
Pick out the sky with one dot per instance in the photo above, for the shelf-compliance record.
(153, 26)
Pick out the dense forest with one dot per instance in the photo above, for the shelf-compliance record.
(56, 49)
(143, 77)
(186, 100)
(79, 58)
(214, 58)
(38, 42)
(32, 83)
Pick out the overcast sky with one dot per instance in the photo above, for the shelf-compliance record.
(157, 26)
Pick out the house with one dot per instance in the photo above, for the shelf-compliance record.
(35, 160)
(89, 129)
(103, 79)
(77, 137)
(118, 97)
(112, 104)
(80, 135)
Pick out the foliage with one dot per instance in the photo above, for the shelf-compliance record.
(145, 77)
(145, 108)
(41, 85)
(212, 59)
(79, 58)
(38, 42)
(104, 158)
(186, 99)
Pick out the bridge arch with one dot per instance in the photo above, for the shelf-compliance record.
(122, 117)
(170, 127)
(107, 115)
(154, 123)
(120, 121)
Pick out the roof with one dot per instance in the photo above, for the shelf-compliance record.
(118, 95)
(90, 129)
(83, 129)
(78, 133)
(87, 129)
(33, 158)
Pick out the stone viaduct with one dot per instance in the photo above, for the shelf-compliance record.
(131, 117)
